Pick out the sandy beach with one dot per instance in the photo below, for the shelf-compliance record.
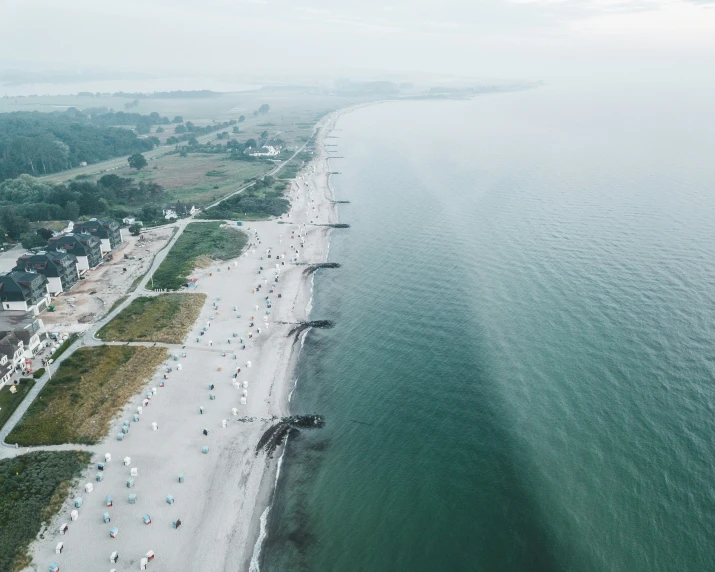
(224, 491)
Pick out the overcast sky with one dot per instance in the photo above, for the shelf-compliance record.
(529, 39)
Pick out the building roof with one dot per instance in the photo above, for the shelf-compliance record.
(10, 344)
(52, 264)
(77, 244)
(20, 282)
(98, 227)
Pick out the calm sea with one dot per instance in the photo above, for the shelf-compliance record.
(522, 372)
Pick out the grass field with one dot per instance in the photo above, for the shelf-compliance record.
(198, 239)
(199, 178)
(10, 401)
(166, 318)
(84, 394)
(32, 490)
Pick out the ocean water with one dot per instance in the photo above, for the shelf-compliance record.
(522, 372)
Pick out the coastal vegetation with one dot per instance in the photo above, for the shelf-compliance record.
(32, 490)
(84, 394)
(261, 200)
(165, 318)
(10, 401)
(209, 239)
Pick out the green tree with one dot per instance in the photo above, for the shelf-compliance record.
(241, 119)
(265, 108)
(251, 143)
(142, 129)
(72, 210)
(160, 129)
(235, 129)
(14, 225)
(135, 229)
(32, 240)
(137, 161)
(150, 212)
(178, 119)
(179, 129)
(172, 140)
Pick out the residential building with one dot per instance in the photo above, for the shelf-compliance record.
(31, 342)
(85, 247)
(60, 268)
(177, 210)
(13, 348)
(24, 291)
(265, 151)
(107, 231)
(5, 369)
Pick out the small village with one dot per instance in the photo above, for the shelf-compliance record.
(58, 291)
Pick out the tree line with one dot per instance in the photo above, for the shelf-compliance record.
(26, 199)
(43, 143)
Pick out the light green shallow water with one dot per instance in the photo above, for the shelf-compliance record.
(521, 372)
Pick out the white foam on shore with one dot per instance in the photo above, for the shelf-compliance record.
(256, 556)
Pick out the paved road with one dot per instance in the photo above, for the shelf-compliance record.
(89, 339)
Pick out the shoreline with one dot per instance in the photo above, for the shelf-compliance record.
(227, 490)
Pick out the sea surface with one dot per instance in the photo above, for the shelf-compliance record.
(521, 376)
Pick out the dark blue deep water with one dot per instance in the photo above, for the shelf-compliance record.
(522, 372)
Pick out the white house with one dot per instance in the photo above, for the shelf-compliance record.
(265, 151)
(25, 291)
(30, 341)
(5, 369)
(13, 348)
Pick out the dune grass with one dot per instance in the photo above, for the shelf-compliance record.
(165, 318)
(84, 394)
(9, 401)
(208, 239)
(32, 490)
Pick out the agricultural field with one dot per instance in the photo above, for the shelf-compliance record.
(199, 179)
(84, 394)
(207, 240)
(32, 490)
(166, 318)
(10, 401)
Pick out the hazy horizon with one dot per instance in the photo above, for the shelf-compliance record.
(272, 40)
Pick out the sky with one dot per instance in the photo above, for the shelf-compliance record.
(520, 39)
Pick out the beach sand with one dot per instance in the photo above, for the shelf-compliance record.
(225, 491)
